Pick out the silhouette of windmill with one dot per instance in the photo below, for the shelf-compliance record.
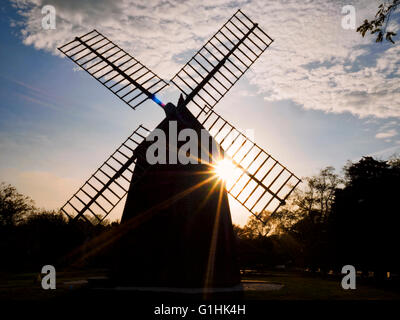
(180, 229)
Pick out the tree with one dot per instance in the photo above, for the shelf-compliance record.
(365, 215)
(394, 161)
(14, 207)
(255, 228)
(315, 200)
(381, 22)
(268, 224)
(313, 206)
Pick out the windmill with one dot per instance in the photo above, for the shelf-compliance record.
(259, 182)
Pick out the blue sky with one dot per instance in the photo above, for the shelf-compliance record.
(320, 96)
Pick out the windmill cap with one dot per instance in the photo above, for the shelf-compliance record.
(170, 109)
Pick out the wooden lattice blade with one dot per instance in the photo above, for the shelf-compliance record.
(221, 62)
(109, 184)
(114, 68)
(259, 182)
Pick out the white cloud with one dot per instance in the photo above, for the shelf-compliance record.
(313, 65)
(386, 134)
(313, 61)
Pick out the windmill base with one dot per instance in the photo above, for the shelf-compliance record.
(143, 293)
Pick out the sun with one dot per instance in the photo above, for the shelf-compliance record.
(225, 169)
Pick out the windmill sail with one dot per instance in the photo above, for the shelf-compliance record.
(101, 193)
(220, 63)
(260, 182)
(114, 68)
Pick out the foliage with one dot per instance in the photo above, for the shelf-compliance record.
(268, 224)
(297, 233)
(30, 237)
(332, 221)
(315, 200)
(365, 215)
(46, 237)
(14, 207)
(380, 23)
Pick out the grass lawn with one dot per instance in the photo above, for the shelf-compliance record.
(297, 286)
(302, 286)
(27, 286)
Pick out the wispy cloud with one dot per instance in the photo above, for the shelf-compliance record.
(388, 130)
(386, 134)
(386, 153)
(36, 101)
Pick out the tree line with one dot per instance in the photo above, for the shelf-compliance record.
(330, 221)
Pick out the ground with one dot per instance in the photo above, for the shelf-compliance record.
(296, 286)
(303, 286)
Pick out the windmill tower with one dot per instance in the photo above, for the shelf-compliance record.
(176, 224)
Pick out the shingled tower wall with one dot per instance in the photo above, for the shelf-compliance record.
(179, 221)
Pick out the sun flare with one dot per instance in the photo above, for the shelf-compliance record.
(225, 169)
